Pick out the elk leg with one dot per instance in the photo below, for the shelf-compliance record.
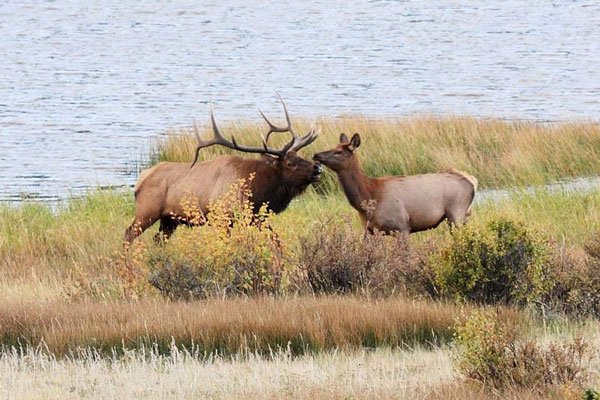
(138, 226)
(456, 219)
(166, 229)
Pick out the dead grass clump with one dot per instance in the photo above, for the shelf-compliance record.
(575, 279)
(337, 258)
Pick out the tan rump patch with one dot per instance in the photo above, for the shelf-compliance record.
(470, 178)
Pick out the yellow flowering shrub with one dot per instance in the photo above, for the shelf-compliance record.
(232, 251)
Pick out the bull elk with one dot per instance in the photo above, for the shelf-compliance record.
(279, 176)
(404, 204)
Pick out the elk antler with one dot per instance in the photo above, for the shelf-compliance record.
(298, 143)
(293, 145)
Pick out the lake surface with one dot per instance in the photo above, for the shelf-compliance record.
(85, 87)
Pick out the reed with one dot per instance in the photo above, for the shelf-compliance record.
(499, 153)
(232, 326)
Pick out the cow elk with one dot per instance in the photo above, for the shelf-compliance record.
(279, 176)
(404, 204)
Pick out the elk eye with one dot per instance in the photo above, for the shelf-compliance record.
(337, 153)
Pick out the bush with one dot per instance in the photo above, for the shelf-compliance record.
(495, 261)
(336, 258)
(576, 280)
(234, 253)
(490, 352)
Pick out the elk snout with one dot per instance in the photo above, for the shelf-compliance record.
(317, 169)
(318, 158)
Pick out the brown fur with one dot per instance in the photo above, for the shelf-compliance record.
(160, 189)
(405, 204)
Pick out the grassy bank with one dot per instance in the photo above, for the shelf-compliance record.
(71, 251)
(499, 153)
(68, 289)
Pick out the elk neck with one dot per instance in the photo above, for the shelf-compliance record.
(267, 187)
(358, 187)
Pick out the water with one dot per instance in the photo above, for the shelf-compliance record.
(578, 185)
(85, 87)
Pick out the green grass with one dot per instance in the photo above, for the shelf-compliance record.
(566, 217)
(58, 247)
(83, 233)
(499, 153)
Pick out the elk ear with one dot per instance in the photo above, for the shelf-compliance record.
(344, 138)
(355, 142)
(270, 160)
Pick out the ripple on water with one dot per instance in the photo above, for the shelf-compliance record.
(84, 88)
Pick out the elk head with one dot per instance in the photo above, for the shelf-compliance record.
(341, 156)
(291, 169)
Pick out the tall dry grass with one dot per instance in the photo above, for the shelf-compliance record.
(145, 374)
(379, 374)
(499, 153)
(233, 326)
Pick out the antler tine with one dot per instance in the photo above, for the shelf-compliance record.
(264, 142)
(287, 116)
(305, 140)
(294, 144)
(219, 139)
(274, 128)
(200, 143)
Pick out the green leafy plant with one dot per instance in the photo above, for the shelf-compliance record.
(501, 260)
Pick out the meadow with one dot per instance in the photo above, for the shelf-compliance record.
(72, 302)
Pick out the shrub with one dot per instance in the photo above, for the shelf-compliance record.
(495, 261)
(490, 352)
(235, 252)
(336, 258)
(576, 280)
